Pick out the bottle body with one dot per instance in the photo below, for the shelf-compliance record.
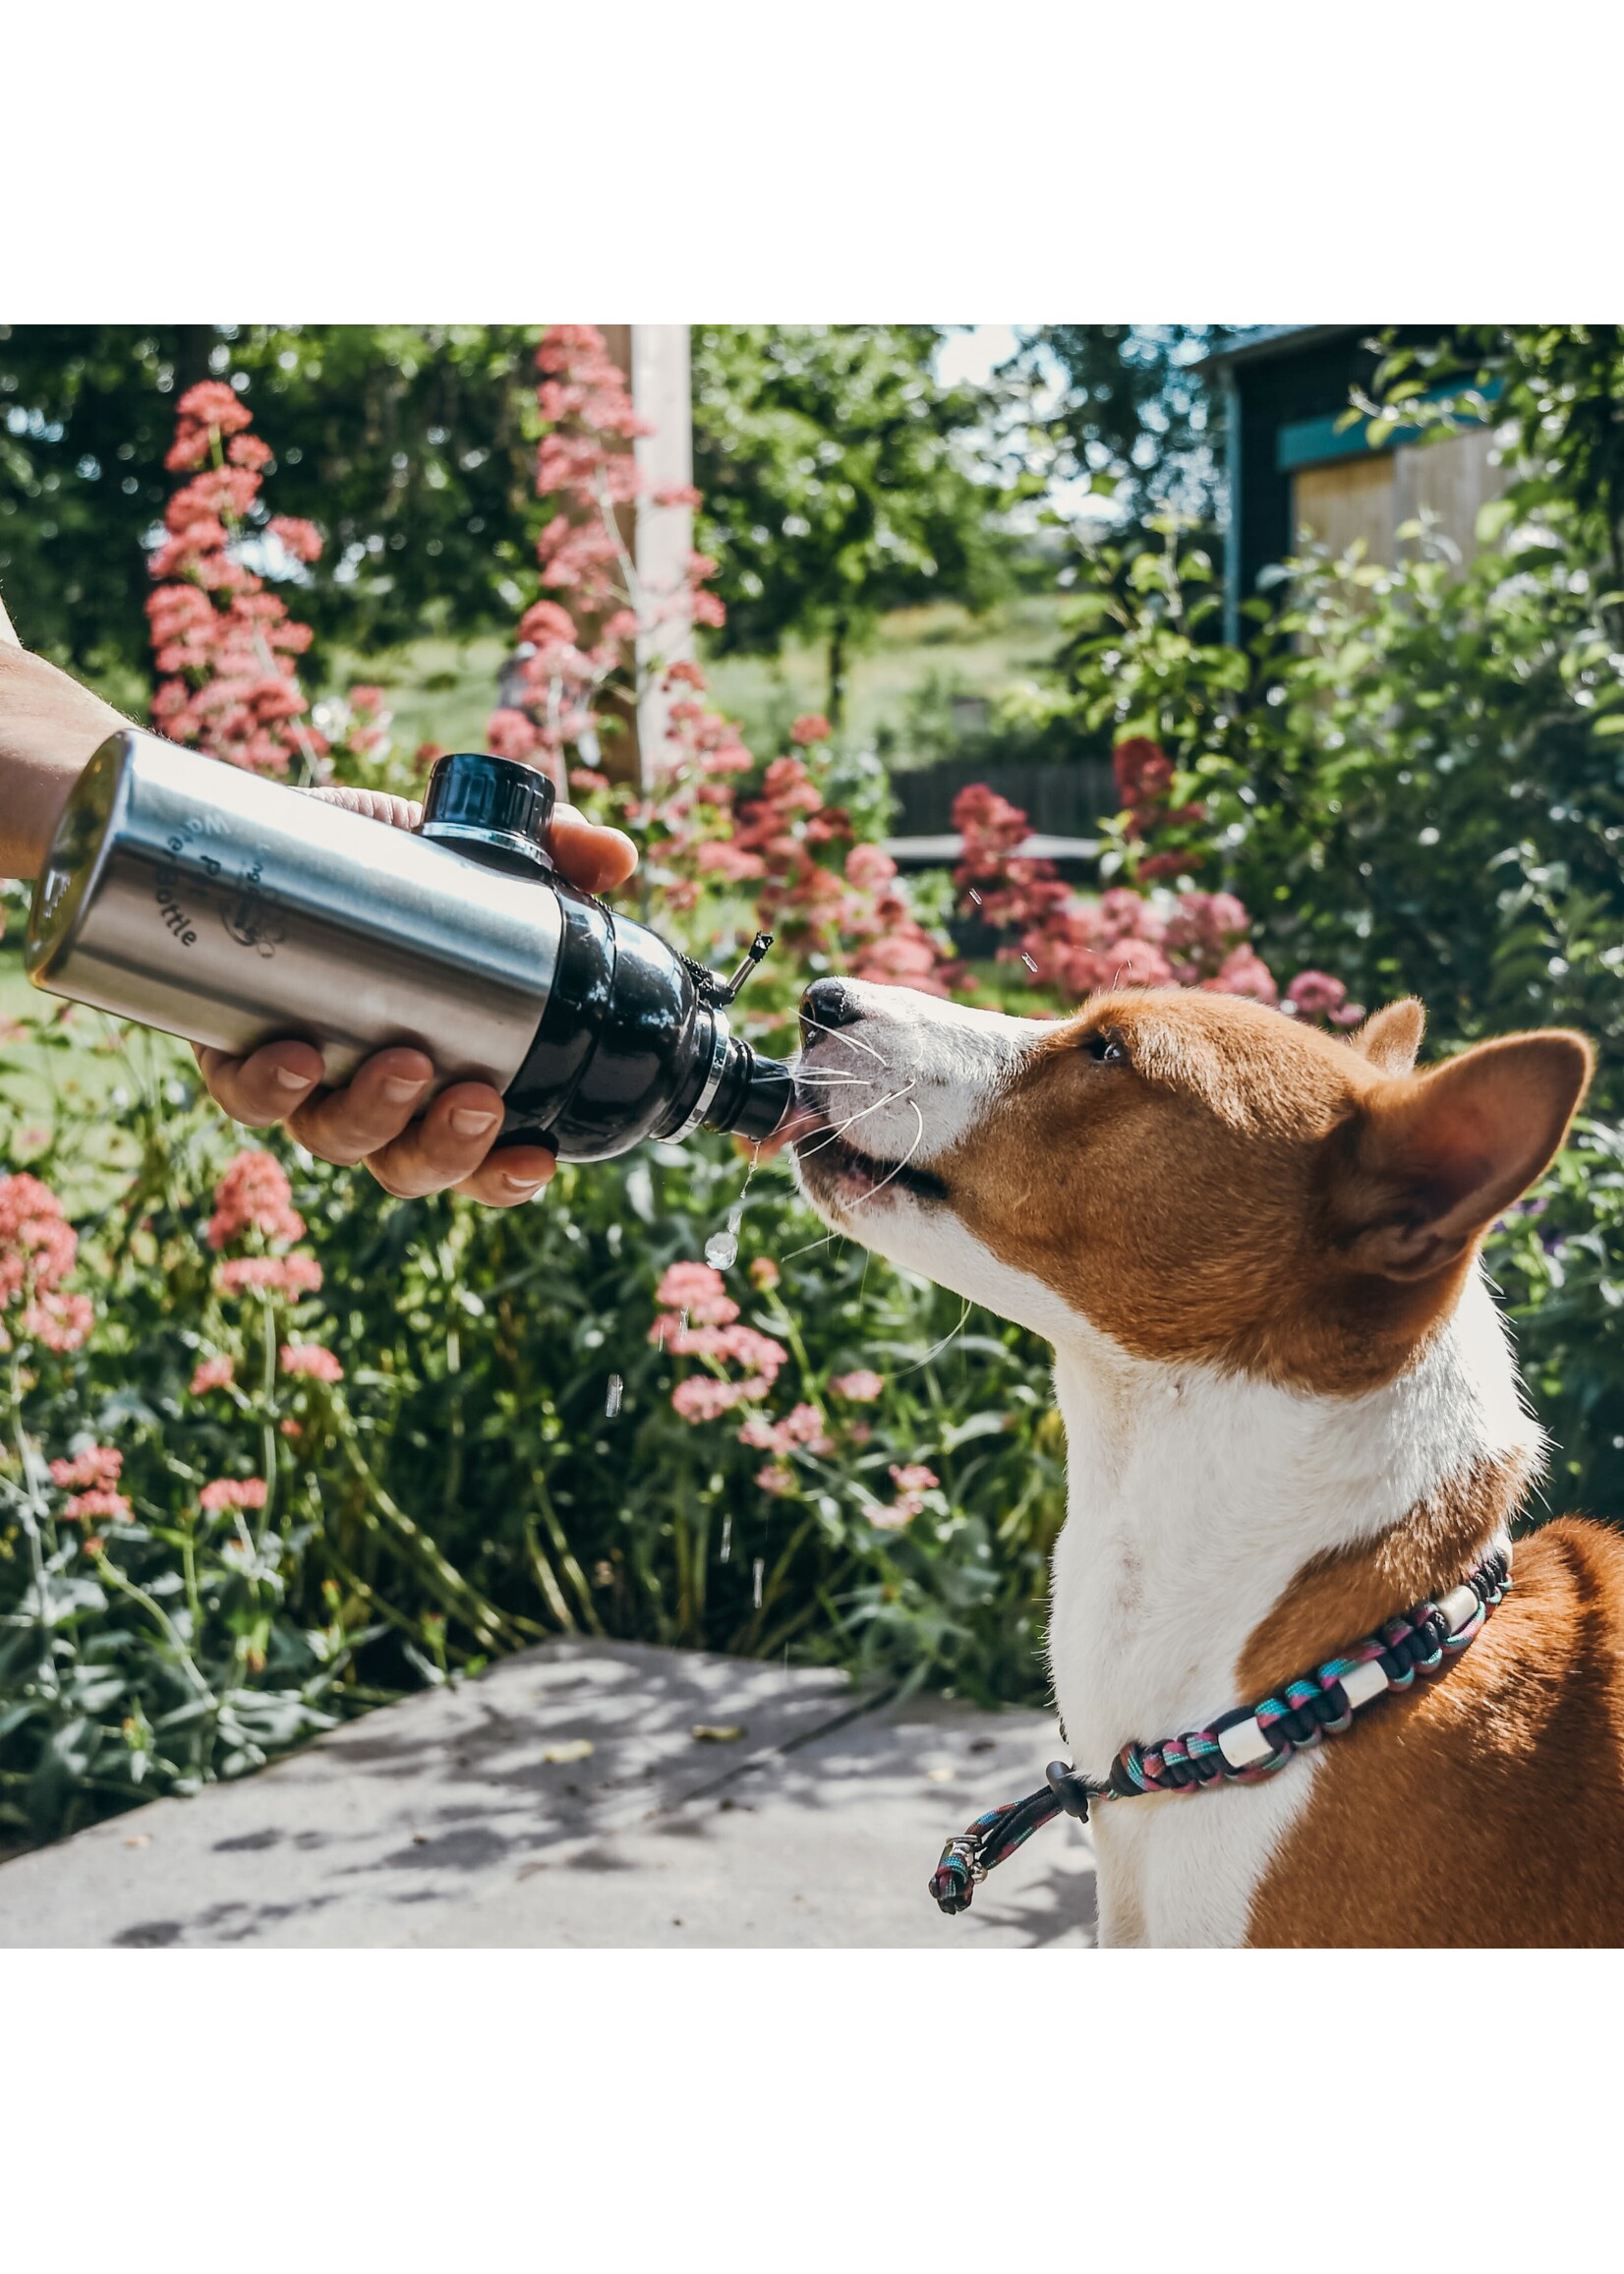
(234, 911)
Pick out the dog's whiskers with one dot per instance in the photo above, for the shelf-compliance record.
(894, 1097)
(900, 1165)
(839, 1034)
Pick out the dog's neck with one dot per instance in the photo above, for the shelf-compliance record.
(1201, 1506)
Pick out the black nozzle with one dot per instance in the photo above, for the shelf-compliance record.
(754, 1096)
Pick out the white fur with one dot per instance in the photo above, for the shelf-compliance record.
(1193, 1496)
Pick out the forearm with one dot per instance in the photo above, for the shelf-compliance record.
(49, 727)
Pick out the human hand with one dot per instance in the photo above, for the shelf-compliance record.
(371, 1119)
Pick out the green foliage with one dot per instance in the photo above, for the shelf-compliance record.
(411, 446)
(1136, 417)
(463, 1488)
(1414, 777)
(837, 482)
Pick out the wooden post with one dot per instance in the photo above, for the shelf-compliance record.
(656, 361)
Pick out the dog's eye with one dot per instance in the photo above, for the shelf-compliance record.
(1106, 1048)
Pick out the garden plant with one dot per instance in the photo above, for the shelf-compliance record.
(278, 1446)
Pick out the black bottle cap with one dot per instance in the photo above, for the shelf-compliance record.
(474, 798)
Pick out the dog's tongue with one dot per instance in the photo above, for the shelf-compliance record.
(800, 1121)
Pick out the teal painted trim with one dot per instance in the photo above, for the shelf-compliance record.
(1318, 442)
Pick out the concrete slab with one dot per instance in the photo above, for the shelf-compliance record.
(565, 1800)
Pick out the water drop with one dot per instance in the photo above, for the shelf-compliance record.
(1029, 962)
(975, 897)
(721, 1250)
(612, 1400)
(726, 1538)
(760, 1567)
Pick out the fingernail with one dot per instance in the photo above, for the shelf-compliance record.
(524, 1186)
(286, 1079)
(467, 1122)
(400, 1086)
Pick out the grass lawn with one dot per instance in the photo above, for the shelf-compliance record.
(443, 691)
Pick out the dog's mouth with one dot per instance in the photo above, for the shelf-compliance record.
(837, 1170)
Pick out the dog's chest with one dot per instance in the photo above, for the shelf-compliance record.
(1132, 1662)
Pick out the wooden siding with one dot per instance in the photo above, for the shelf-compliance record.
(1373, 497)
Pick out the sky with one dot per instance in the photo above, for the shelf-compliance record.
(972, 356)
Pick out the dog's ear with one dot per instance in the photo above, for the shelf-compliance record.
(1391, 1037)
(1432, 1158)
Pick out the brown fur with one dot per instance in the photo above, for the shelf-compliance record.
(1275, 1200)
(1338, 1599)
(1246, 1192)
(1486, 1808)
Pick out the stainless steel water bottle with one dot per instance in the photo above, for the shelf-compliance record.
(232, 910)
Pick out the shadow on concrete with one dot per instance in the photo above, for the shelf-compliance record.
(441, 1821)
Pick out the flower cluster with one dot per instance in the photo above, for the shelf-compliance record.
(1145, 783)
(311, 1359)
(993, 882)
(253, 1196)
(91, 1478)
(38, 1251)
(289, 1275)
(252, 1200)
(778, 840)
(802, 1425)
(570, 657)
(912, 1482)
(1124, 937)
(233, 1493)
(224, 646)
(700, 1319)
(212, 1375)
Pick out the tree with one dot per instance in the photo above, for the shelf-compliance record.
(1135, 416)
(411, 446)
(835, 472)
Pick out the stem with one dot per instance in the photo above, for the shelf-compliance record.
(32, 1503)
(838, 638)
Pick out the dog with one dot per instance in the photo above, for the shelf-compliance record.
(1291, 1414)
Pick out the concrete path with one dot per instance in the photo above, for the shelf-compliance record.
(565, 1800)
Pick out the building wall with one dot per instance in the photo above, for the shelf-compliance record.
(1373, 496)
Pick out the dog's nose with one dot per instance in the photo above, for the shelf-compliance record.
(826, 1005)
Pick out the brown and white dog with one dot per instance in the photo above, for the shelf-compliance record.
(1290, 1412)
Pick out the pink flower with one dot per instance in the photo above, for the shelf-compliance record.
(98, 1465)
(811, 726)
(234, 1492)
(98, 1502)
(702, 1399)
(510, 735)
(912, 1483)
(862, 1387)
(214, 1374)
(308, 1358)
(698, 1290)
(253, 1196)
(302, 537)
(730, 862)
(293, 1276)
(759, 1353)
(38, 1251)
(764, 1273)
(802, 1427)
(1316, 995)
(775, 1478)
(59, 1322)
(1243, 973)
